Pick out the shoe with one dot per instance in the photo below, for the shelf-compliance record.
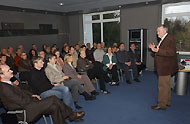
(90, 97)
(105, 91)
(79, 120)
(95, 93)
(77, 106)
(113, 83)
(137, 80)
(76, 116)
(158, 108)
(128, 81)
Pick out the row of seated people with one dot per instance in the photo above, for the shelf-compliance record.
(121, 58)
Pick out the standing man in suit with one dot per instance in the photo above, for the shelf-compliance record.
(166, 65)
(12, 97)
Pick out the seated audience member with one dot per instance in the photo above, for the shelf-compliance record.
(40, 84)
(82, 48)
(83, 65)
(115, 44)
(53, 49)
(24, 66)
(17, 58)
(124, 62)
(32, 53)
(89, 53)
(98, 56)
(54, 46)
(48, 50)
(114, 49)
(44, 46)
(94, 46)
(74, 55)
(65, 50)
(3, 58)
(70, 71)
(21, 48)
(9, 58)
(57, 77)
(135, 58)
(103, 46)
(10, 51)
(109, 61)
(99, 53)
(59, 59)
(14, 98)
(34, 47)
(77, 48)
(42, 54)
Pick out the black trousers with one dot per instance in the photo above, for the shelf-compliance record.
(114, 73)
(98, 72)
(141, 67)
(126, 68)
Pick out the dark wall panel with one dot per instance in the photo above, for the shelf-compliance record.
(32, 21)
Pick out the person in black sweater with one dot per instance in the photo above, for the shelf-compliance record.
(40, 84)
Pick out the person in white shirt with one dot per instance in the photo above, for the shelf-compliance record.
(99, 53)
(109, 61)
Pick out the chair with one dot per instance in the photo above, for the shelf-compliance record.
(120, 73)
(24, 113)
(131, 70)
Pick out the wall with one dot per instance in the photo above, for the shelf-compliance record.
(147, 17)
(32, 21)
(75, 28)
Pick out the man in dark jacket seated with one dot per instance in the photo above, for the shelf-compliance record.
(14, 98)
(135, 58)
(125, 63)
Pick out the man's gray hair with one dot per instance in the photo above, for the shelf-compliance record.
(164, 27)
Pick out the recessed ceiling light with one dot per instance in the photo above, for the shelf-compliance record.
(61, 4)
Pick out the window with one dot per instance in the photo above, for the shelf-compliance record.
(177, 18)
(102, 27)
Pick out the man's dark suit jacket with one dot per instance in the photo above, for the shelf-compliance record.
(83, 65)
(133, 56)
(166, 57)
(122, 57)
(14, 98)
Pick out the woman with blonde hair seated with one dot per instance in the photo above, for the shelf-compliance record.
(70, 71)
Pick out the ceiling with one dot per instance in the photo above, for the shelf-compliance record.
(67, 5)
